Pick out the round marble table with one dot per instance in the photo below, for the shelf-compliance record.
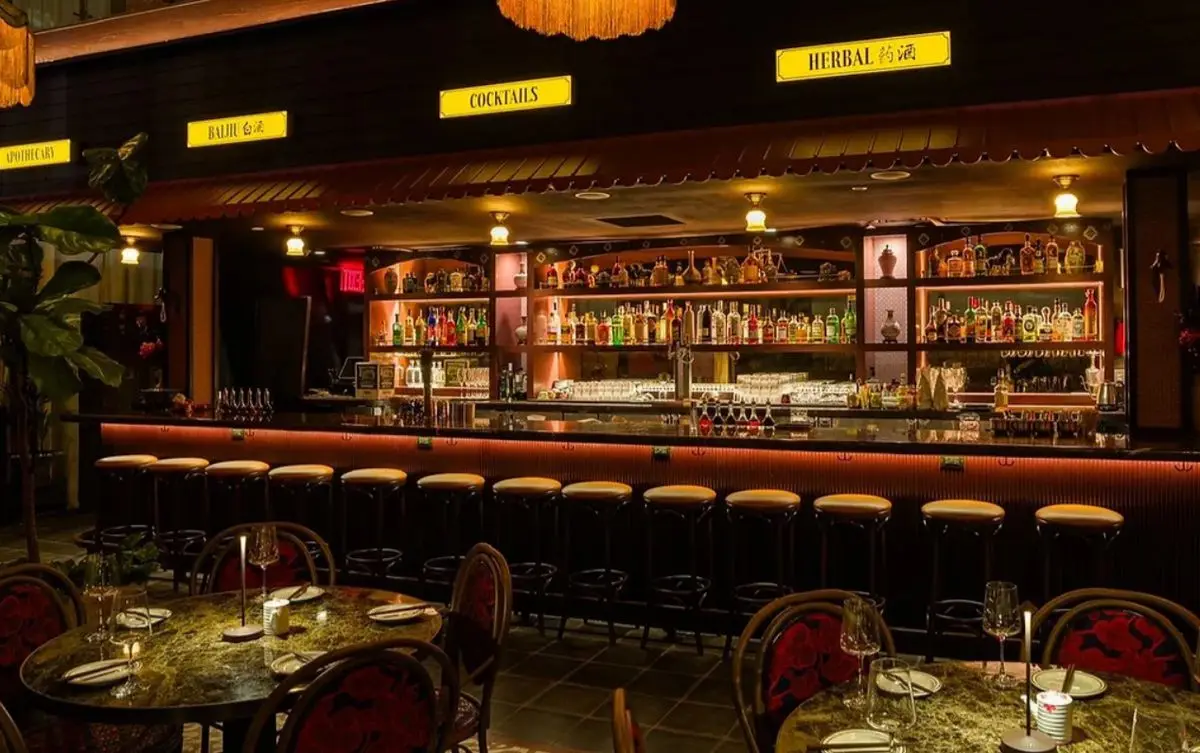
(970, 714)
(193, 675)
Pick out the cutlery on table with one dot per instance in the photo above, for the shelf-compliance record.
(94, 673)
(398, 608)
(299, 591)
(1068, 678)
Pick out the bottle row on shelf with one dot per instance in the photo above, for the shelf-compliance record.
(760, 266)
(719, 324)
(439, 326)
(977, 260)
(984, 322)
(471, 279)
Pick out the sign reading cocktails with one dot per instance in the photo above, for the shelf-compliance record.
(534, 94)
(237, 129)
(867, 56)
(35, 155)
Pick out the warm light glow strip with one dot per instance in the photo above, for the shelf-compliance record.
(657, 294)
(1012, 286)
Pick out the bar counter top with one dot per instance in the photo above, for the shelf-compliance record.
(886, 439)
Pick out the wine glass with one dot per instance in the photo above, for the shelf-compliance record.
(1001, 618)
(130, 629)
(890, 704)
(1160, 731)
(860, 639)
(99, 585)
(263, 551)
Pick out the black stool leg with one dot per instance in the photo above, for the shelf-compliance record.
(731, 593)
(612, 591)
(651, 591)
(566, 561)
(934, 594)
(823, 525)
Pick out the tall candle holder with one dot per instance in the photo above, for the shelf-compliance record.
(243, 632)
(1027, 739)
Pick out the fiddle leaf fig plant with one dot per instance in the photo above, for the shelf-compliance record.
(41, 344)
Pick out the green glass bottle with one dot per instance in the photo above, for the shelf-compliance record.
(850, 322)
(616, 327)
(461, 327)
(832, 326)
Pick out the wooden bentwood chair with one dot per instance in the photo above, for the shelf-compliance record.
(379, 694)
(799, 625)
(626, 735)
(217, 569)
(1123, 632)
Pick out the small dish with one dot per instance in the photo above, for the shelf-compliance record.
(292, 662)
(861, 737)
(1083, 685)
(923, 683)
(395, 614)
(309, 594)
(97, 674)
(135, 619)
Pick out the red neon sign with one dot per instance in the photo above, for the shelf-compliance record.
(351, 279)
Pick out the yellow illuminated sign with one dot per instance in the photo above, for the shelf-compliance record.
(534, 94)
(867, 56)
(237, 129)
(35, 155)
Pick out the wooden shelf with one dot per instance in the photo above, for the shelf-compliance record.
(1045, 282)
(885, 347)
(706, 348)
(778, 289)
(898, 282)
(1073, 347)
(477, 297)
(435, 349)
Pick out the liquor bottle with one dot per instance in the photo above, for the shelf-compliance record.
(954, 328)
(1062, 323)
(616, 327)
(935, 259)
(943, 268)
(719, 325)
(706, 423)
(1039, 259)
(627, 333)
(552, 280)
(674, 324)
(456, 281)
(1029, 325)
(566, 333)
(733, 326)
(1075, 258)
(482, 331)
(802, 329)
(1053, 262)
(1008, 326)
(1045, 326)
(969, 318)
(833, 326)
(718, 420)
(750, 269)
(704, 326)
(460, 328)
(580, 323)
(983, 324)
(785, 329)
(850, 321)
(450, 329)
(753, 334)
(940, 315)
(1078, 325)
(980, 253)
(931, 334)
(409, 333)
(472, 328)
(816, 331)
(968, 259)
(766, 326)
(618, 271)
(1091, 323)
(419, 333)
(997, 315)
(955, 264)
(689, 324)
(651, 325)
(664, 327)
(553, 325)
(742, 421)
(397, 332)
(591, 329)
(1027, 257)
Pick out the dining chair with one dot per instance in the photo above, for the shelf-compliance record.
(627, 736)
(10, 734)
(476, 628)
(795, 645)
(217, 567)
(1128, 633)
(382, 692)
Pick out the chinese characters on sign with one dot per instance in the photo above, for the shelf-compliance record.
(237, 129)
(534, 94)
(866, 56)
(35, 155)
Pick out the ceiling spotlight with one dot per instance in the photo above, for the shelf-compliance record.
(295, 244)
(257, 229)
(593, 195)
(165, 226)
(357, 212)
(130, 254)
(756, 218)
(499, 231)
(891, 175)
(522, 243)
(859, 188)
(319, 252)
(1066, 203)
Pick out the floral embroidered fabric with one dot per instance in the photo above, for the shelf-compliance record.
(1125, 643)
(29, 616)
(804, 658)
(373, 708)
(290, 570)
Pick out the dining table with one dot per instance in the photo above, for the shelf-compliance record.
(192, 675)
(970, 713)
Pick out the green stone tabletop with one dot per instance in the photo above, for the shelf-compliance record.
(195, 676)
(970, 714)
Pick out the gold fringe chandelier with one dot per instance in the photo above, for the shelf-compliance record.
(16, 57)
(585, 19)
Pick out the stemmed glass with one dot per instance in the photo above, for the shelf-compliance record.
(890, 708)
(130, 629)
(860, 639)
(263, 551)
(99, 585)
(1002, 619)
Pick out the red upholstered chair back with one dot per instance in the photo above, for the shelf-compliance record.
(480, 610)
(218, 566)
(37, 603)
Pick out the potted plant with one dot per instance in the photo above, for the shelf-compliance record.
(41, 346)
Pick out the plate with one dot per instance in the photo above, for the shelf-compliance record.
(1083, 685)
(94, 674)
(292, 662)
(924, 684)
(862, 737)
(313, 592)
(394, 614)
(135, 618)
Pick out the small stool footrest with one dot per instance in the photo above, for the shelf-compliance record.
(374, 558)
(442, 569)
(964, 613)
(759, 594)
(533, 573)
(681, 588)
(598, 579)
(117, 534)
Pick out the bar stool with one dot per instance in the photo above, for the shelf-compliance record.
(292, 491)
(960, 517)
(232, 486)
(448, 491)
(1096, 527)
(178, 535)
(601, 501)
(776, 510)
(123, 510)
(688, 506)
(378, 485)
(532, 496)
(865, 512)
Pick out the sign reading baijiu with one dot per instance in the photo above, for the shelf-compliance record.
(237, 129)
(867, 56)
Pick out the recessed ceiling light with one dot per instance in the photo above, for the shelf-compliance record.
(593, 195)
(165, 226)
(522, 243)
(257, 229)
(891, 175)
(319, 252)
(357, 212)
(859, 188)
(771, 230)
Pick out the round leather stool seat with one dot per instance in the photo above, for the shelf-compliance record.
(125, 462)
(963, 511)
(1079, 516)
(857, 506)
(451, 482)
(178, 465)
(233, 468)
(369, 476)
(300, 473)
(675, 495)
(527, 486)
(598, 491)
(763, 500)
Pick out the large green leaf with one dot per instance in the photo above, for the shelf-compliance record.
(69, 278)
(118, 173)
(55, 378)
(81, 219)
(9, 219)
(98, 366)
(69, 306)
(47, 336)
(73, 244)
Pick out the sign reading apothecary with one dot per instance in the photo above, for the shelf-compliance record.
(237, 129)
(865, 56)
(40, 154)
(514, 96)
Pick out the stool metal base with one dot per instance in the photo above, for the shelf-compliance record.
(534, 578)
(441, 570)
(376, 561)
(602, 584)
(686, 591)
(962, 614)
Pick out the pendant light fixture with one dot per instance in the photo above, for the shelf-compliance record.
(756, 218)
(587, 19)
(1066, 203)
(16, 57)
(499, 231)
(295, 244)
(130, 254)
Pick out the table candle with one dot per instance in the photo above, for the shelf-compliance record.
(242, 546)
(1028, 670)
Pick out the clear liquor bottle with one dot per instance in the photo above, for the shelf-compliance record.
(718, 325)
(1029, 325)
(733, 326)
(816, 331)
